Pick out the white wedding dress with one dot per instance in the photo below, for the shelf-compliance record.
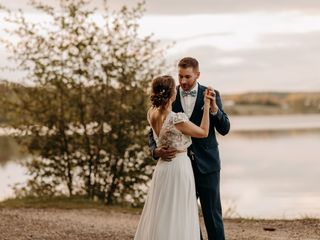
(170, 211)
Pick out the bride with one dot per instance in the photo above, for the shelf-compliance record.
(170, 211)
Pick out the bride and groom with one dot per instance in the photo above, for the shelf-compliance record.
(183, 122)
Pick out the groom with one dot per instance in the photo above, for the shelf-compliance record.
(204, 153)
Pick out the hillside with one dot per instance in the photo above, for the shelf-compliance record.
(266, 103)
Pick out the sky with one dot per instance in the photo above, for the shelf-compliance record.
(242, 45)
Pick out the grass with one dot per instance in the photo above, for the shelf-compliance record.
(65, 203)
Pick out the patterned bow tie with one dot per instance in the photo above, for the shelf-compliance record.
(192, 93)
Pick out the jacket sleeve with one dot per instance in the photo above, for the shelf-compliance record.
(152, 144)
(220, 120)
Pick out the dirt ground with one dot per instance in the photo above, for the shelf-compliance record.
(86, 224)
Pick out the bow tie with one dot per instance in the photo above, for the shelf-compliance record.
(192, 93)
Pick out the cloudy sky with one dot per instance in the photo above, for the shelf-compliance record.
(242, 45)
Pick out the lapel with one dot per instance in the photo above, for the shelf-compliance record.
(199, 103)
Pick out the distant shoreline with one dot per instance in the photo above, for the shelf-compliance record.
(251, 123)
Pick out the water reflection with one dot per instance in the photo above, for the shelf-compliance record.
(9, 150)
(10, 174)
(272, 173)
(11, 171)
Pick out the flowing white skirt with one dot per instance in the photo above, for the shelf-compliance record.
(170, 211)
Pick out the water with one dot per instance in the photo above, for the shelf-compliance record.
(271, 174)
(10, 174)
(270, 167)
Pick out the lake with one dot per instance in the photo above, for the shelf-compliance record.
(270, 167)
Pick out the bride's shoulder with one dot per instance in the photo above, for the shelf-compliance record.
(179, 117)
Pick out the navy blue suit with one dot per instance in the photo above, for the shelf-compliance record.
(205, 159)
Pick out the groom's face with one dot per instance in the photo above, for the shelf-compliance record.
(188, 78)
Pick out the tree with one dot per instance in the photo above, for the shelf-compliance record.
(84, 115)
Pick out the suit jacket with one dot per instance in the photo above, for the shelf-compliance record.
(204, 151)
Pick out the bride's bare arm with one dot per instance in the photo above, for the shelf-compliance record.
(190, 129)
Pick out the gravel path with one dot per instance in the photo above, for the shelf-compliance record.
(86, 224)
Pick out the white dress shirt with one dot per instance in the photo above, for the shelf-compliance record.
(188, 101)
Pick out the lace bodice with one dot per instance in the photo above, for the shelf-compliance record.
(170, 136)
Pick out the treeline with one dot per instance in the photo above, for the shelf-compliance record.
(261, 103)
(235, 104)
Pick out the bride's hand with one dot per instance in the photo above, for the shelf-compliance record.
(207, 98)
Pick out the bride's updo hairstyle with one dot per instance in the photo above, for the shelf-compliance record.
(162, 89)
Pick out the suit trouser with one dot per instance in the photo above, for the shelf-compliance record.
(208, 190)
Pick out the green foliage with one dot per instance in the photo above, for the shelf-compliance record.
(84, 115)
(63, 202)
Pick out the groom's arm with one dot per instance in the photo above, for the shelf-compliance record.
(152, 145)
(220, 119)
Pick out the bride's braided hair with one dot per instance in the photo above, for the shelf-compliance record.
(162, 90)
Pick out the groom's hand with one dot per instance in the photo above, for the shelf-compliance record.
(165, 153)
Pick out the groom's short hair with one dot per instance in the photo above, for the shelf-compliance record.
(189, 62)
